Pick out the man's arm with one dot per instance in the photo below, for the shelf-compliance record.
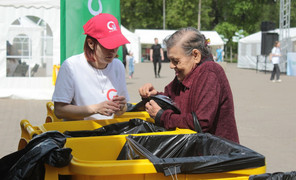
(161, 53)
(151, 54)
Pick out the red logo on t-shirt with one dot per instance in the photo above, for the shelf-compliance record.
(111, 93)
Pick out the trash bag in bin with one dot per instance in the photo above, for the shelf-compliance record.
(133, 126)
(190, 153)
(275, 176)
(163, 101)
(28, 163)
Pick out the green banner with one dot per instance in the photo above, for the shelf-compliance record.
(74, 14)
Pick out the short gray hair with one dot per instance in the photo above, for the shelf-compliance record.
(194, 40)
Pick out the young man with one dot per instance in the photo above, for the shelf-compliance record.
(156, 56)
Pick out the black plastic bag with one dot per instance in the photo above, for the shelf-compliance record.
(163, 101)
(275, 176)
(190, 153)
(133, 126)
(28, 163)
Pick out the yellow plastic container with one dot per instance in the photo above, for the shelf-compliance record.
(28, 131)
(140, 114)
(50, 117)
(82, 125)
(95, 158)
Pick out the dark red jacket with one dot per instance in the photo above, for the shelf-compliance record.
(206, 91)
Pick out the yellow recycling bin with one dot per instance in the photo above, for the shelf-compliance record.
(96, 157)
(50, 117)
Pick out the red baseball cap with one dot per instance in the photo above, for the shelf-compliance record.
(105, 28)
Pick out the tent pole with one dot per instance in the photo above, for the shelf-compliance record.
(265, 63)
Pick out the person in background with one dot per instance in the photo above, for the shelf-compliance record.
(219, 54)
(200, 86)
(124, 54)
(156, 56)
(131, 64)
(92, 85)
(275, 58)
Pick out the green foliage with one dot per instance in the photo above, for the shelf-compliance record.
(226, 29)
(184, 13)
(144, 14)
(224, 16)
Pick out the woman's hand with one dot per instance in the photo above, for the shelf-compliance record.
(106, 108)
(152, 108)
(147, 90)
(121, 101)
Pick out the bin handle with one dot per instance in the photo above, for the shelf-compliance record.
(26, 125)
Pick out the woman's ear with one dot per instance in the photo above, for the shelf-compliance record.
(90, 43)
(196, 55)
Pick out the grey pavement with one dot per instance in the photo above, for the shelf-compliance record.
(265, 112)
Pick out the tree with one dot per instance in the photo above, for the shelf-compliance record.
(224, 16)
(184, 13)
(227, 30)
(147, 14)
(144, 14)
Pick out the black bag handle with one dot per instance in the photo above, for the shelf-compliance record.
(197, 126)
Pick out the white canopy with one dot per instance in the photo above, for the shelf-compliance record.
(147, 36)
(134, 45)
(31, 3)
(14, 25)
(249, 52)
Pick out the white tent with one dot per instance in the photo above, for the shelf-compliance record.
(44, 51)
(147, 36)
(249, 52)
(17, 23)
(134, 45)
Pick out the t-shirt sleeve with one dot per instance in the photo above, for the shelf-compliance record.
(64, 88)
(273, 50)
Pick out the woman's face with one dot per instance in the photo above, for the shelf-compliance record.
(181, 63)
(102, 55)
(105, 56)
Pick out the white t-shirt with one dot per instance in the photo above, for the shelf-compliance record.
(276, 59)
(80, 84)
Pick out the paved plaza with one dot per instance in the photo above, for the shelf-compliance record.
(265, 112)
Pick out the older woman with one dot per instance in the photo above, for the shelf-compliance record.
(200, 86)
(91, 85)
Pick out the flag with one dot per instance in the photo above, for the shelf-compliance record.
(74, 14)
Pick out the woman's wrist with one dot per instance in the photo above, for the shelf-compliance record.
(122, 110)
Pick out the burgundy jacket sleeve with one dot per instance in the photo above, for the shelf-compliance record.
(203, 100)
(206, 91)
